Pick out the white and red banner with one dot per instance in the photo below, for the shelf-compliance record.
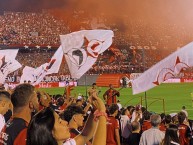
(35, 75)
(82, 48)
(8, 64)
(12, 85)
(165, 69)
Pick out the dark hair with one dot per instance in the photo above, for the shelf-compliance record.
(5, 94)
(130, 108)
(171, 134)
(168, 119)
(21, 95)
(162, 115)
(93, 84)
(123, 111)
(78, 100)
(40, 128)
(113, 108)
(70, 111)
(60, 101)
(57, 96)
(181, 117)
(147, 115)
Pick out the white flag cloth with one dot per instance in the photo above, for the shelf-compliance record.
(82, 48)
(165, 69)
(36, 75)
(8, 64)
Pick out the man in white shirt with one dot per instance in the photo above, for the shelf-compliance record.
(152, 136)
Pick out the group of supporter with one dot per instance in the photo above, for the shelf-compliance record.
(29, 116)
(33, 117)
(30, 28)
(139, 126)
(141, 50)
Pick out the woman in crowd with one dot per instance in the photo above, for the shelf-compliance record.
(171, 136)
(46, 127)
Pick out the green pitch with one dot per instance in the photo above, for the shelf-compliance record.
(174, 95)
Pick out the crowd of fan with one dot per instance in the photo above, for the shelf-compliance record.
(44, 28)
(30, 28)
(131, 125)
(135, 61)
(141, 49)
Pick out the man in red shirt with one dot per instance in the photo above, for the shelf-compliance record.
(110, 96)
(24, 100)
(184, 129)
(113, 137)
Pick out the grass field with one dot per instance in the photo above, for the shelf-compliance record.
(175, 96)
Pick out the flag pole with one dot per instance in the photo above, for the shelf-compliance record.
(86, 85)
(146, 100)
(143, 54)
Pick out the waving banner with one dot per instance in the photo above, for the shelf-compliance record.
(8, 64)
(36, 75)
(82, 48)
(165, 69)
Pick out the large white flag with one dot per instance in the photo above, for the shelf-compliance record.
(8, 64)
(165, 69)
(36, 75)
(82, 48)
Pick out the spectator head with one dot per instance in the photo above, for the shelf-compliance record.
(125, 112)
(113, 109)
(79, 102)
(171, 134)
(181, 117)
(72, 112)
(130, 108)
(155, 120)
(135, 125)
(56, 97)
(5, 102)
(46, 127)
(24, 95)
(147, 115)
(60, 101)
(162, 116)
(143, 109)
(168, 119)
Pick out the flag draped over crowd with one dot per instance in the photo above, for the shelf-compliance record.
(8, 64)
(82, 48)
(165, 69)
(36, 75)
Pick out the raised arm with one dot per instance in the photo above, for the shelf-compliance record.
(100, 135)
